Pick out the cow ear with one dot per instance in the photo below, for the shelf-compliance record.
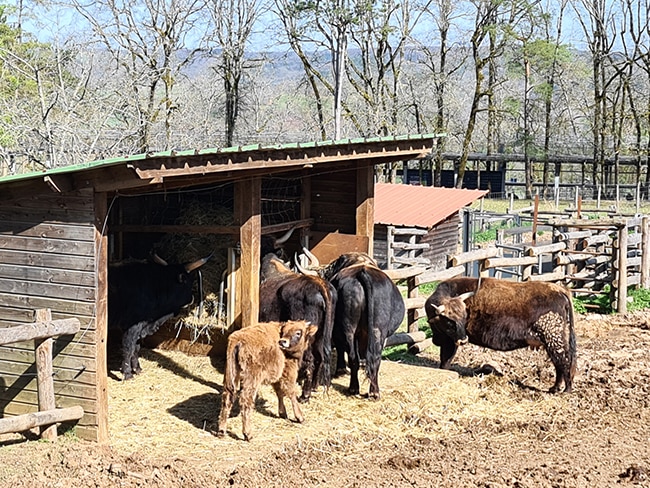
(311, 330)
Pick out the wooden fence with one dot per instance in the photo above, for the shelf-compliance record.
(42, 332)
(584, 255)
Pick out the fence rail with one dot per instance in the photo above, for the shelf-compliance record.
(42, 332)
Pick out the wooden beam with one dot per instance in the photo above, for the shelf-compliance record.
(101, 315)
(38, 330)
(22, 423)
(366, 204)
(248, 207)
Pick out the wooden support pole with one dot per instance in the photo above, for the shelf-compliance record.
(248, 197)
(621, 305)
(45, 375)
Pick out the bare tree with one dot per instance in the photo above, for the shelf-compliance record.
(234, 21)
(148, 42)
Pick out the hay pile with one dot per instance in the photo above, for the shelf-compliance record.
(175, 404)
(202, 318)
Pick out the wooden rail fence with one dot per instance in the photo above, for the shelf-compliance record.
(42, 332)
(584, 255)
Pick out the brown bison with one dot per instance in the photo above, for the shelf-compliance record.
(285, 295)
(505, 315)
(266, 353)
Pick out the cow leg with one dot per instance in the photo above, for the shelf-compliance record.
(129, 345)
(354, 361)
(135, 360)
(307, 369)
(247, 403)
(282, 409)
(372, 367)
(552, 330)
(341, 365)
(448, 349)
(227, 400)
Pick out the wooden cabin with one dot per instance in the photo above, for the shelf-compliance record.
(60, 229)
(418, 225)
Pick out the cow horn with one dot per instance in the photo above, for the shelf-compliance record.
(189, 267)
(286, 236)
(158, 259)
(467, 295)
(439, 309)
(305, 271)
(313, 260)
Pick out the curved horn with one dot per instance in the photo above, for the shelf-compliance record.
(306, 272)
(285, 237)
(158, 259)
(189, 267)
(439, 308)
(467, 295)
(313, 260)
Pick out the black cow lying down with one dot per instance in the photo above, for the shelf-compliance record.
(141, 297)
(505, 315)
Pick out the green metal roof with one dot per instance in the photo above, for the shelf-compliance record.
(102, 163)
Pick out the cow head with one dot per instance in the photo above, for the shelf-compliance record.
(275, 245)
(273, 267)
(450, 317)
(295, 337)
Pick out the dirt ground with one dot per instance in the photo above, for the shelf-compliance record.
(430, 428)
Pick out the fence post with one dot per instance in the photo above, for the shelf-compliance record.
(621, 305)
(645, 249)
(45, 375)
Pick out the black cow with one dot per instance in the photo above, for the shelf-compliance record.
(141, 297)
(369, 308)
(505, 315)
(286, 295)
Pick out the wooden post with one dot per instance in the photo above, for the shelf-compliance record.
(248, 197)
(101, 315)
(366, 204)
(45, 374)
(535, 211)
(621, 305)
(645, 250)
(390, 251)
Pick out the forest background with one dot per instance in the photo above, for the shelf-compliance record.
(86, 80)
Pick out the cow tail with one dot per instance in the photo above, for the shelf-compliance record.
(231, 377)
(325, 373)
(375, 343)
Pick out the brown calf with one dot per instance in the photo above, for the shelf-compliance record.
(267, 353)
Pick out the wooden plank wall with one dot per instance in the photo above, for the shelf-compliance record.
(443, 240)
(333, 201)
(47, 260)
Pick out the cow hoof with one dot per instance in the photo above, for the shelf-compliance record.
(128, 376)
(303, 399)
(248, 437)
(300, 420)
(373, 396)
(221, 433)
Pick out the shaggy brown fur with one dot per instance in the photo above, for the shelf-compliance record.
(285, 295)
(267, 353)
(505, 315)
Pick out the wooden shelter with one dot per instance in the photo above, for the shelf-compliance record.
(59, 230)
(418, 225)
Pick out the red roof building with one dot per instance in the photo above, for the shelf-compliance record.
(418, 225)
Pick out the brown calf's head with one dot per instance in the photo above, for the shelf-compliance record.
(296, 336)
(450, 317)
